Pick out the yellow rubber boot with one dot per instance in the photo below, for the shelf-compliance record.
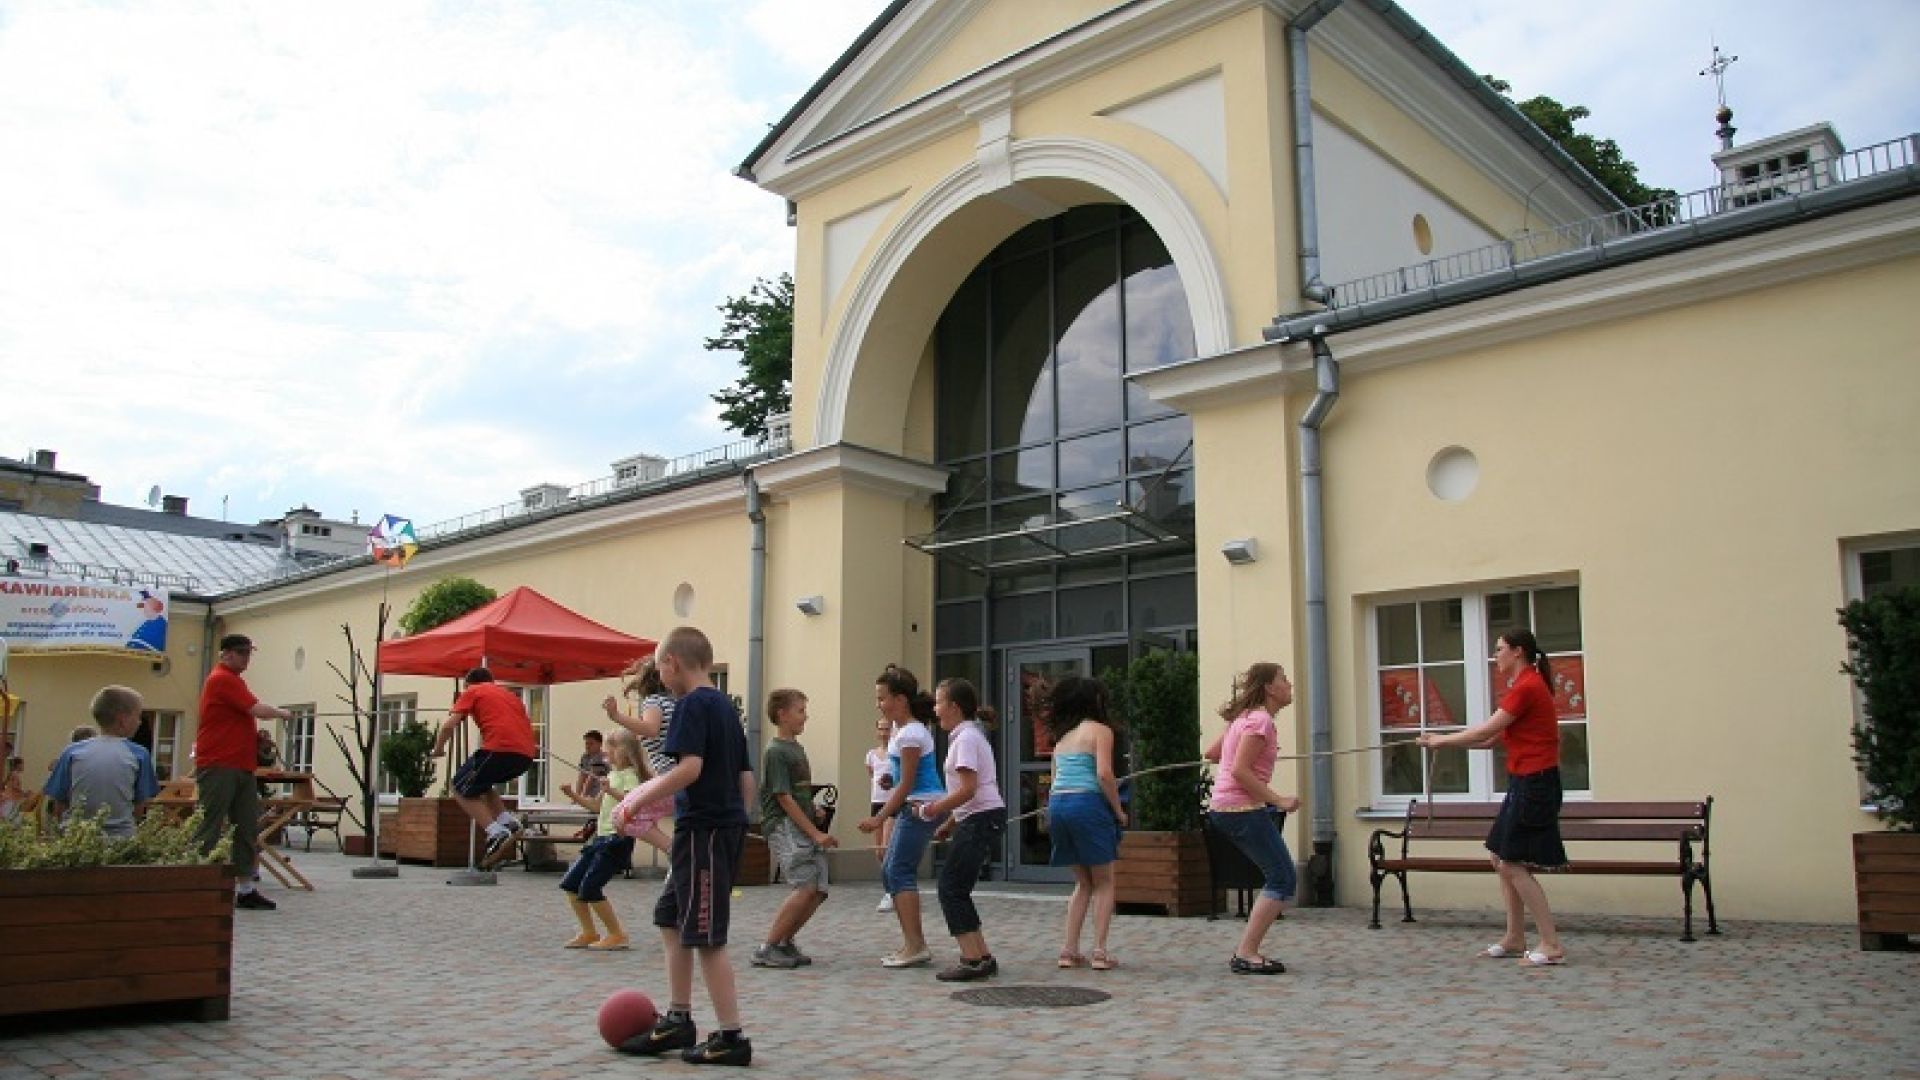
(587, 935)
(616, 938)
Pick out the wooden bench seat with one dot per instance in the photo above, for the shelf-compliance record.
(1682, 824)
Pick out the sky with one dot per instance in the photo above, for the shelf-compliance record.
(410, 257)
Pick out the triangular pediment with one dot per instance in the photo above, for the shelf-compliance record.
(913, 50)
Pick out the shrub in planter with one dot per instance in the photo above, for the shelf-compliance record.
(1157, 699)
(407, 755)
(89, 921)
(1883, 644)
(1883, 640)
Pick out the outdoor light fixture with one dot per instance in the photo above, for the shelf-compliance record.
(1241, 552)
(811, 605)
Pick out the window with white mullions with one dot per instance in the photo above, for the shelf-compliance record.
(296, 739)
(394, 713)
(1424, 681)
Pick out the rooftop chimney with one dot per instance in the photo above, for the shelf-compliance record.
(174, 504)
(44, 459)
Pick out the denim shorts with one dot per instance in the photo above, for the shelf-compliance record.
(904, 848)
(1257, 834)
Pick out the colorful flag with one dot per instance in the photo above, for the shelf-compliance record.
(392, 541)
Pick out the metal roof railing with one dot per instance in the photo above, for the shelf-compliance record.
(1597, 232)
(720, 459)
(112, 575)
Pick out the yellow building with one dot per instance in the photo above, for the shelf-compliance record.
(1265, 329)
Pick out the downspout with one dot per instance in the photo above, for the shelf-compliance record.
(756, 612)
(1326, 377)
(1306, 205)
(1319, 890)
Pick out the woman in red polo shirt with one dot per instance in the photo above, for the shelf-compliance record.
(1526, 835)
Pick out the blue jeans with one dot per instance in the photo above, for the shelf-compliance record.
(600, 859)
(904, 849)
(1257, 835)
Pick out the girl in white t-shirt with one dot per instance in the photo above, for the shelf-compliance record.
(879, 782)
(979, 822)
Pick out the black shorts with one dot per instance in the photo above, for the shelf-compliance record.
(697, 899)
(485, 769)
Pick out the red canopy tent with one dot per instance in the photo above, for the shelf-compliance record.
(523, 638)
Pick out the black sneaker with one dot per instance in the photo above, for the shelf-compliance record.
(668, 1034)
(253, 901)
(719, 1050)
(971, 970)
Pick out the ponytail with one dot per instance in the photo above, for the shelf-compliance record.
(1530, 647)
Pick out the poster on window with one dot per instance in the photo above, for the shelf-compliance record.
(1400, 701)
(1569, 686)
(61, 613)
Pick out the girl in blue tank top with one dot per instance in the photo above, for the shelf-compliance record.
(1084, 812)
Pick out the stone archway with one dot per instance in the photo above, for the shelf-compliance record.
(943, 236)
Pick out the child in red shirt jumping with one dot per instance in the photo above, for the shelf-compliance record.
(507, 749)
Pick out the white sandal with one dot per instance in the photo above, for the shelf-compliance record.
(1541, 959)
(1497, 951)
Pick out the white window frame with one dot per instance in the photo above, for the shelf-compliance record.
(393, 713)
(165, 725)
(296, 738)
(1854, 584)
(1476, 641)
(532, 784)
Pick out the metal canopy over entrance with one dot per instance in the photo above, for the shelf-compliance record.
(1059, 535)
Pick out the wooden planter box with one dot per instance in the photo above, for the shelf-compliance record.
(756, 866)
(429, 832)
(1163, 870)
(116, 935)
(1886, 876)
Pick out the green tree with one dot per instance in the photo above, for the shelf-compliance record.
(1602, 158)
(444, 601)
(758, 326)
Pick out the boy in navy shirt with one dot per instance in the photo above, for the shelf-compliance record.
(712, 785)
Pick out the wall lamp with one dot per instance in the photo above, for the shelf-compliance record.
(1241, 552)
(811, 605)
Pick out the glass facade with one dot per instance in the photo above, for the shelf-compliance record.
(1038, 426)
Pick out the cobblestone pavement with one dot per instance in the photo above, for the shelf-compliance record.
(410, 978)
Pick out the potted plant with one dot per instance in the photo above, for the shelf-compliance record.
(1883, 643)
(94, 922)
(1163, 857)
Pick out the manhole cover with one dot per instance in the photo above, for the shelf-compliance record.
(1013, 997)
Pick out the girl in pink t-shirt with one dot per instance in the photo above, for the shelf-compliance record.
(979, 821)
(1243, 803)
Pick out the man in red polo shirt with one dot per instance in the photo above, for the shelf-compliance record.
(507, 748)
(223, 758)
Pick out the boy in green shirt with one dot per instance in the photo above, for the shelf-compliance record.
(792, 827)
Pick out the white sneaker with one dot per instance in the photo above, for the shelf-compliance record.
(886, 903)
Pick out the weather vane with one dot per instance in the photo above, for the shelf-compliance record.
(1718, 69)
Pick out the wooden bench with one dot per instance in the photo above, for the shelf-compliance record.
(1682, 824)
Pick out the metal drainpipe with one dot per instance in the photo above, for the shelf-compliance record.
(1306, 205)
(756, 612)
(1319, 890)
(1326, 374)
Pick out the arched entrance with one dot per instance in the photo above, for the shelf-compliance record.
(1064, 537)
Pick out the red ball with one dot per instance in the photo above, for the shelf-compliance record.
(625, 1014)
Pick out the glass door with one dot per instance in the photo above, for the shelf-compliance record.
(1026, 751)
